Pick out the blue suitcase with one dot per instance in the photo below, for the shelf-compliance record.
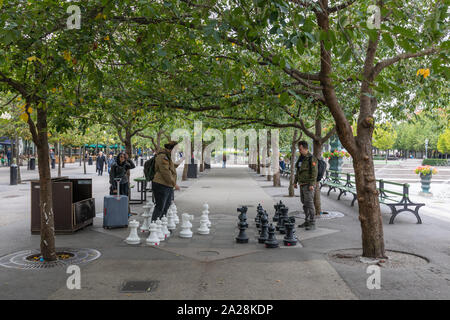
(115, 212)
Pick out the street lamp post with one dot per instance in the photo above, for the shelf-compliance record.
(426, 148)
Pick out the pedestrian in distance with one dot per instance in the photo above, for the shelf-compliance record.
(306, 177)
(110, 162)
(100, 163)
(164, 181)
(224, 159)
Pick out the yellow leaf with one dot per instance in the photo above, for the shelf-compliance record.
(53, 90)
(24, 117)
(30, 110)
(107, 38)
(33, 58)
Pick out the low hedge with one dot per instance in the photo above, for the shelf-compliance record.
(435, 162)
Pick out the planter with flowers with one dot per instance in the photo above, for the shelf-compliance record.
(426, 173)
(335, 159)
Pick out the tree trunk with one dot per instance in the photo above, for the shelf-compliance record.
(59, 158)
(46, 204)
(185, 171)
(258, 159)
(269, 168)
(84, 159)
(80, 155)
(317, 152)
(19, 179)
(292, 164)
(63, 156)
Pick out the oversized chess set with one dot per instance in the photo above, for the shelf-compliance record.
(285, 225)
(163, 228)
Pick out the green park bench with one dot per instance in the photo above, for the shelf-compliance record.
(397, 201)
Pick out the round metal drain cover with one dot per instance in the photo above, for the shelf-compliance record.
(208, 253)
(18, 260)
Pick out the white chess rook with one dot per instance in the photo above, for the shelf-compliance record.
(153, 239)
(133, 238)
(186, 225)
(145, 215)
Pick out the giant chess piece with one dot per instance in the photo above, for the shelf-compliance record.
(242, 236)
(203, 225)
(186, 225)
(259, 210)
(282, 219)
(160, 231)
(206, 212)
(243, 216)
(271, 242)
(153, 239)
(290, 239)
(165, 230)
(146, 215)
(171, 220)
(277, 211)
(174, 211)
(133, 238)
(264, 235)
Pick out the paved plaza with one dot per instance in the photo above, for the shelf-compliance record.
(214, 266)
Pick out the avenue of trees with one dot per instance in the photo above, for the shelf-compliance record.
(312, 67)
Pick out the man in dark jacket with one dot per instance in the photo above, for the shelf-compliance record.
(306, 176)
(100, 163)
(119, 170)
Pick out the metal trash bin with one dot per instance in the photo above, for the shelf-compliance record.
(13, 174)
(32, 164)
(90, 161)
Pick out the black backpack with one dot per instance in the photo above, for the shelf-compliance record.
(149, 168)
(321, 168)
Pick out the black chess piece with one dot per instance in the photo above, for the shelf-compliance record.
(258, 217)
(264, 234)
(277, 211)
(242, 236)
(271, 242)
(282, 219)
(243, 216)
(259, 210)
(290, 239)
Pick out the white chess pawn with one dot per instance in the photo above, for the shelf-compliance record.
(133, 238)
(165, 231)
(186, 225)
(174, 211)
(203, 225)
(145, 215)
(206, 213)
(171, 220)
(153, 238)
(160, 232)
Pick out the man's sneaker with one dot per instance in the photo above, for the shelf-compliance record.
(303, 225)
(311, 226)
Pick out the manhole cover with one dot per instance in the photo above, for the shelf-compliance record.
(26, 259)
(208, 253)
(139, 286)
(396, 259)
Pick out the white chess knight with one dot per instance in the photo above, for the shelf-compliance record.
(146, 215)
(206, 213)
(153, 238)
(165, 231)
(186, 225)
(160, 232)
(203, 225)
(133, 238)
(171, 220)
